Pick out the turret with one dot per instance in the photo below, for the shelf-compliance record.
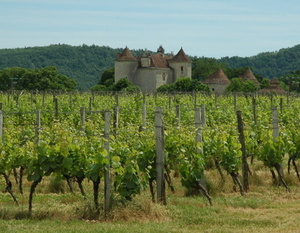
(145, 59)
(181, 64)
(161, 50)
(125, 65)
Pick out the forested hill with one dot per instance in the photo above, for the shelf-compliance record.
(85, 64)
(269, 64)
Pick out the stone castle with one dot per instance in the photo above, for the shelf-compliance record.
(150, 71)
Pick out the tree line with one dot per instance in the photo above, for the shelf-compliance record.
(86, 64)
(42, 79)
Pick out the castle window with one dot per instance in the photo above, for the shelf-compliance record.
(181, 68)
(164, 77)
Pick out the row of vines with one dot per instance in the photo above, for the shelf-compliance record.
(111, 138)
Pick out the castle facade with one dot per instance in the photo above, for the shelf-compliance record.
(150, 71)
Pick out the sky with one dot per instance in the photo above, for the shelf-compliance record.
(209, 28)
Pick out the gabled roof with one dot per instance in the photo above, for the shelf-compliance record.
(219, 77)
(248, 75)
(126, 55)
(159, 61)
(180, 57)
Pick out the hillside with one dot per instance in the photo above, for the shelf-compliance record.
(85, 64)
(269, 64)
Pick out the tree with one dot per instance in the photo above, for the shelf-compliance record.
(238, 85)
(5, 81)
(184, 84)
(43, 79)
(264, 83)
(124, 84)
(203, 67)
(107, 78)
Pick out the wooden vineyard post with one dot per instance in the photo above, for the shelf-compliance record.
(199, 150)
(56, 108)
(203, 115)
(275, 123)
(216, 99)
(198, 124)
(117, 99)
(159, 130)
(281, 104)
(116, 119)
(38, 126)
(275, 126)
(245, 171)
(82, 118)
(178, 115)
(90, 104)
(144, 117)
(107, 181)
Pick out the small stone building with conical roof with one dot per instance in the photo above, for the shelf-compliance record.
(273, 88)
(217, 82)
(150, 71)
(249, 76)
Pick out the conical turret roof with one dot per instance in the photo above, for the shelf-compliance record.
(273, 88)
(248, 75)
(180, 57)
(219, 77)
(126, 55)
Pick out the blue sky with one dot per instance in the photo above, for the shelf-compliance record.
(210, 28)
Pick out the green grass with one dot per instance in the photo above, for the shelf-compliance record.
(264, 209)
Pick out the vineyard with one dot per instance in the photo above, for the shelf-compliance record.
(121, 145)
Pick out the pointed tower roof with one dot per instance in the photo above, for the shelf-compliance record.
(248, 75)
(126, 55)
(180, 57)
(219, 77)
(273, 88)
(161, 50)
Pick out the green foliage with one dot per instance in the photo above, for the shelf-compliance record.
(107, 78)
(269, 64)
(42, 79)
(99, 87)
(265, 83)
(84, 63)
(184, 84)
(124, 85)
(238, 85)
(203, 67)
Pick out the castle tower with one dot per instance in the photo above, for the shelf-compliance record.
(181, 64)
(161, 50)
(248, 75)
(145, 59)
(125, 65)
(218, 81)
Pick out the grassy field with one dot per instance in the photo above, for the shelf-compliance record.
(265, 208)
